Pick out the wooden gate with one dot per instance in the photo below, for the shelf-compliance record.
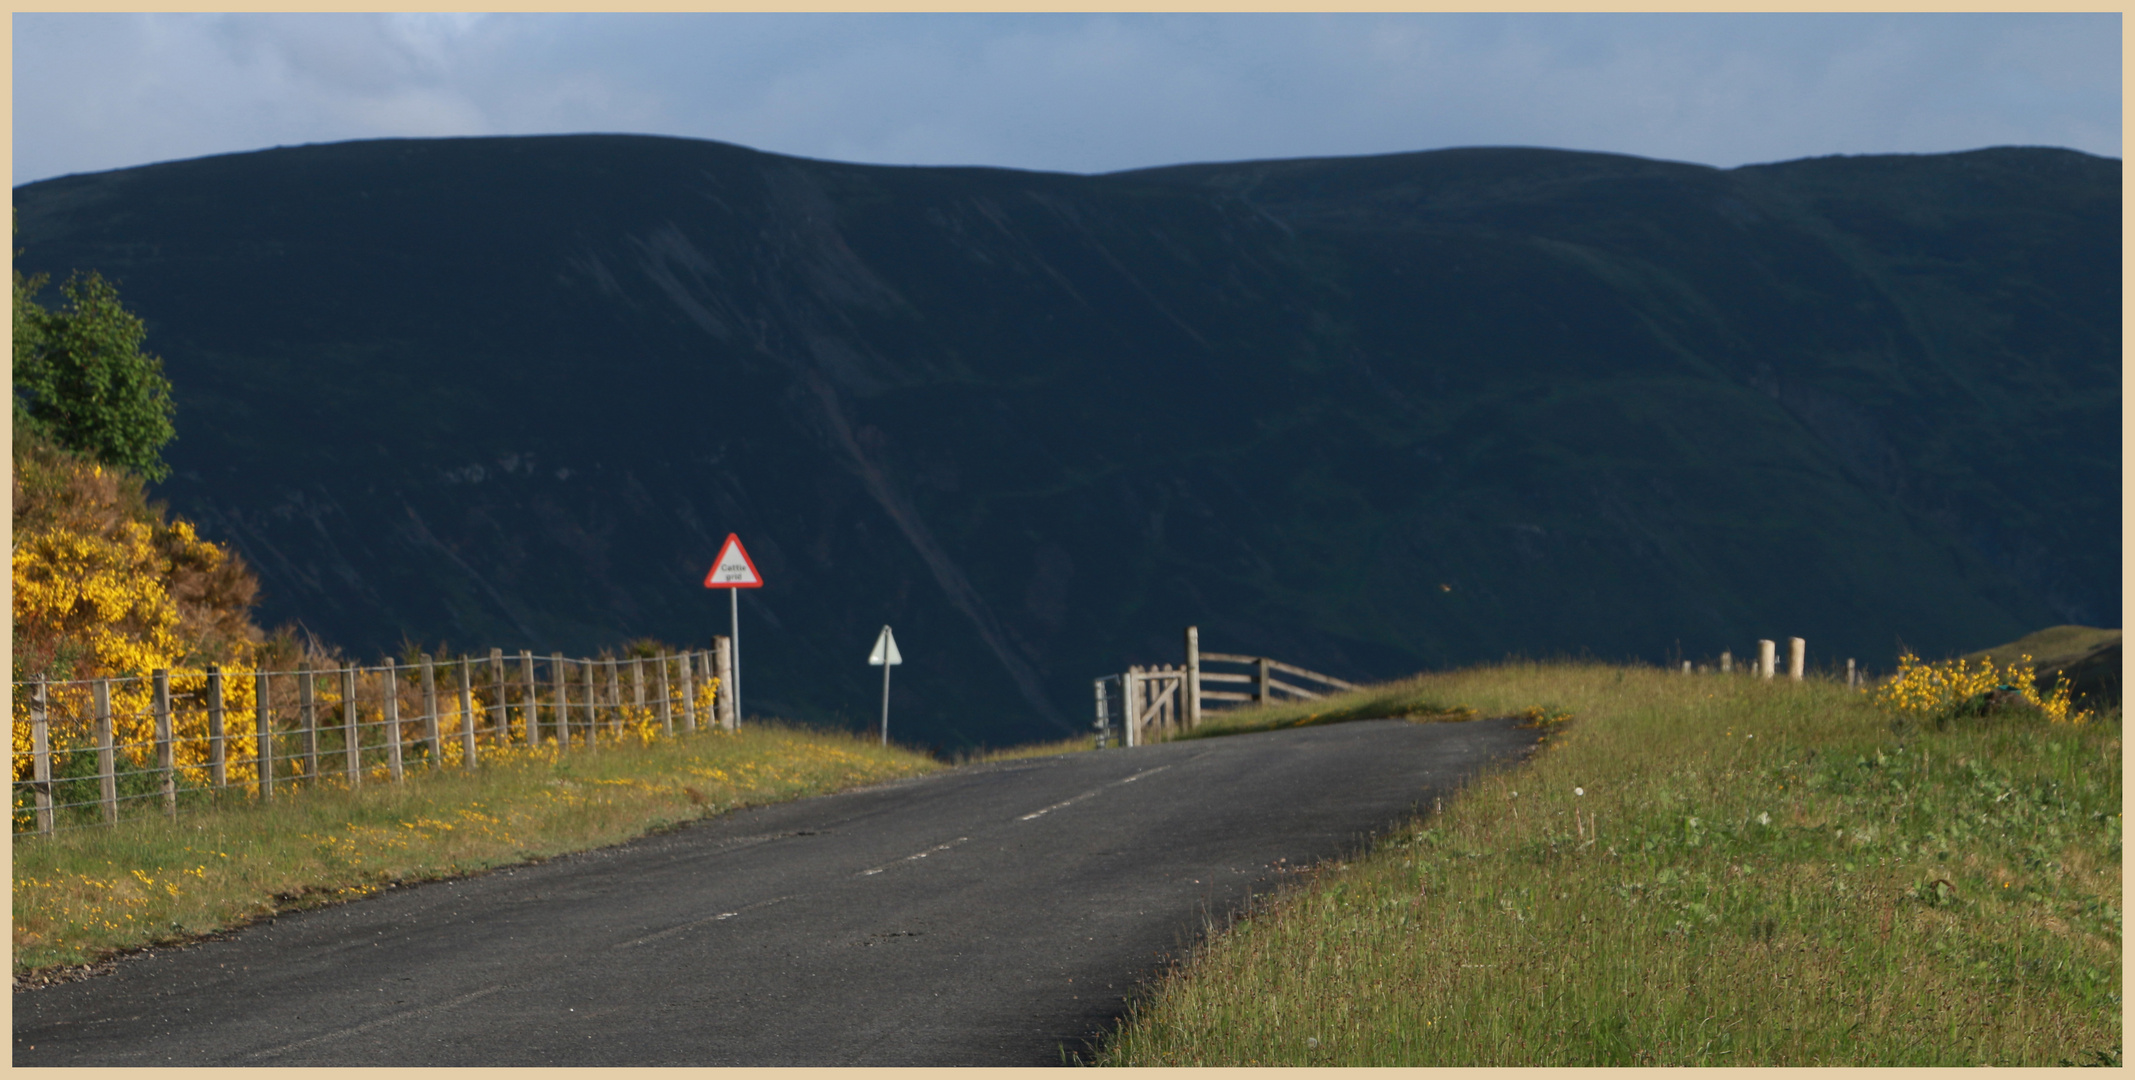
(1159, 702)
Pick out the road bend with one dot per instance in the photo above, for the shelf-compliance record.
(989, 915)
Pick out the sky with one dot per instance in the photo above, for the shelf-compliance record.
(1079, 93)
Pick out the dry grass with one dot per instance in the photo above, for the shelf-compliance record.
(1030, 750)
(1702, 870)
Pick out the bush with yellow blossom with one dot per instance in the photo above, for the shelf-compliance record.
(1953, 688)
(107, 586)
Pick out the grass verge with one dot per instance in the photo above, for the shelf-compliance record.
(1030, 750)
(1701, 870)
(83, 895)
(1415, 698)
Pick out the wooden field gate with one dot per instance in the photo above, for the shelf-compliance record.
(1155, 703)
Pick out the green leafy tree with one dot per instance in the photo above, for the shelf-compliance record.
(82, 380)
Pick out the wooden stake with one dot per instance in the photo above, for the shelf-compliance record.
(352, 745)
(1126, 707)
(218, 763)
(1193, 677)
(667, 704)
(1727, 662)
(499, 705)
(615, 698)
(107, 775)
(430, 731)
(527, 705)
(1104, 726)
(496, 664)
(161, 678)
(41, 755)
(390, 678)
(689, 694)
(1767, 658)
(1853, 675)
(563, 702)
(1797, 655)
(308, 715)
(637, 684)
(592, 726)
(263, 723)
(1260, 694)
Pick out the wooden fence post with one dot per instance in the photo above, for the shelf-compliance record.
(431, 734)
(1193, 677)
(1126, 707)
(637, 685)
(107, 774)
(1727, 662)
(308, 715)
(615, 697)
(1767, 658)
(352, 746)
(723, 701)
(1797, 655)
(390, 679)
(1130, 687)
(667, 705)
(467, 749)
(590, 669)
(218, 760)
(530, 706)
(1260, 686)
(41, 755)
(161, 678)
(1853, 674)
(263, 723)
(689, 693)
(1104, 727)
(499, 697)
(563, 702)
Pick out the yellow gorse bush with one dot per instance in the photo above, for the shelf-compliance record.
(1930, 690)
(104, 593)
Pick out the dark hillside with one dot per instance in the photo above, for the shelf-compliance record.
(1367, 414)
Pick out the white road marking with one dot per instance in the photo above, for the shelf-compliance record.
(1092, 791)
(378, 1023)
(909, 858)
(703, 921)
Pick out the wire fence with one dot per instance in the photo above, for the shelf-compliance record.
(90, 752)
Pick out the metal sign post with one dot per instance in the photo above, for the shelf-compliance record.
(885, 656)
(733, 570)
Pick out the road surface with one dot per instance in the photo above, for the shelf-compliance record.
(990, 915)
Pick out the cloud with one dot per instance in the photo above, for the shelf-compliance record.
(1084, 93)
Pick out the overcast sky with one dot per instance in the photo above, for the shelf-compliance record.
(1077, 93)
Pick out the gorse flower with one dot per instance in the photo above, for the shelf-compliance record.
(1930, 690)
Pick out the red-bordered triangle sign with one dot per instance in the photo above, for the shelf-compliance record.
(733, 570)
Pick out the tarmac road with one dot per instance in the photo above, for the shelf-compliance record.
(990, 915)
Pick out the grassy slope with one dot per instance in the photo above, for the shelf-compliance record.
(83, 895)
(2086, 656)
(1755, 873)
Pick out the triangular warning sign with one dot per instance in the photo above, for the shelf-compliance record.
(885, 649)
(733, 570)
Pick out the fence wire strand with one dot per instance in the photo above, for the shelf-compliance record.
(282, 731)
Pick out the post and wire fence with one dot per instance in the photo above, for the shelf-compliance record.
(91, 752)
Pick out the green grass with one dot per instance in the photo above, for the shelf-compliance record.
(1694, 870)
(84, 894)
(1410, 698)
(1030, 750)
